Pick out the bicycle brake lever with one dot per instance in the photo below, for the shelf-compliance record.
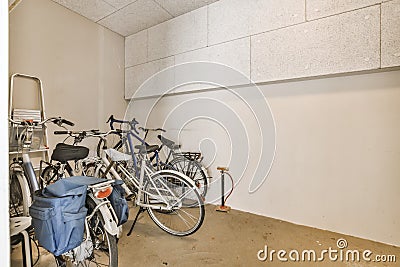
(111, 118)
(134, 122)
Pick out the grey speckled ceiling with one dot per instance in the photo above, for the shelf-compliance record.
(127, 17)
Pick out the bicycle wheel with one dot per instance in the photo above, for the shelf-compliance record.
(105, 250)
(50, 175)
(89, 169)
(20, 196)
(178, 207)
(193, 170)
(114, 140)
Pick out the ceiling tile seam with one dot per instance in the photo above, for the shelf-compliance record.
(77, 12)
(109, 29)
(115, 11)
(166, 10)
(343, 12)
(89, 19)
(121, 6)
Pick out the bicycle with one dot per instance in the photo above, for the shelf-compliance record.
(188, 163)
(20, 195)
(89, 165)
(171, 198)
(62, 154)
(98, 245)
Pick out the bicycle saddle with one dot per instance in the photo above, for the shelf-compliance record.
(116, 155)
(147, 149)
(64, 152)
(168, 143)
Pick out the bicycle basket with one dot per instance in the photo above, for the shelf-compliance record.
(191, 155)
(58, 216)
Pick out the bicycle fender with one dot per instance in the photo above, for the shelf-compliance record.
(106, 210)
(109, 222)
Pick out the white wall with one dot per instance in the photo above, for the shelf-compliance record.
(337, 138)
(80, 63)
(336, 164)
(4, 224)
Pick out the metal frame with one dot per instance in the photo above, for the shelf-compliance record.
(41, 103)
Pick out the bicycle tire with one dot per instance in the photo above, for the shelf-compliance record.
(50, 175)
(102, 240)
(20, 195)
(89, 169)
(193, 170)
(187, 214)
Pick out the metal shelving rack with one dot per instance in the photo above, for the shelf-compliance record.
(40, 148)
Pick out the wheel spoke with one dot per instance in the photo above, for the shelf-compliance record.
(178, 221)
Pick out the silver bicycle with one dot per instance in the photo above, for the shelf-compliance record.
(172, 199)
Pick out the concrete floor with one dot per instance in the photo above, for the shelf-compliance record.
(232, 239)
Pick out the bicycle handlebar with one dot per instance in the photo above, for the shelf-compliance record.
(84, 133)
(61, 132)
(80, 135)
(88, 133)
(56, 120)
(133, 123)
(153, 130)
(67, 122)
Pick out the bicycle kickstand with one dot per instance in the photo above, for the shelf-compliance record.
(141, 209)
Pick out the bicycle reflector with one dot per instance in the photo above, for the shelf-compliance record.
(103, 192)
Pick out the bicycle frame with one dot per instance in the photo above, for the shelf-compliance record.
(171, 198)
(138, 180)
(139, 184)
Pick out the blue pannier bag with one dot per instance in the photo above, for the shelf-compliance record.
(118, 202)
(58, 215)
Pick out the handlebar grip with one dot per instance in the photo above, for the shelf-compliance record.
(67, 122)
(61, 132)
(160, 129)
